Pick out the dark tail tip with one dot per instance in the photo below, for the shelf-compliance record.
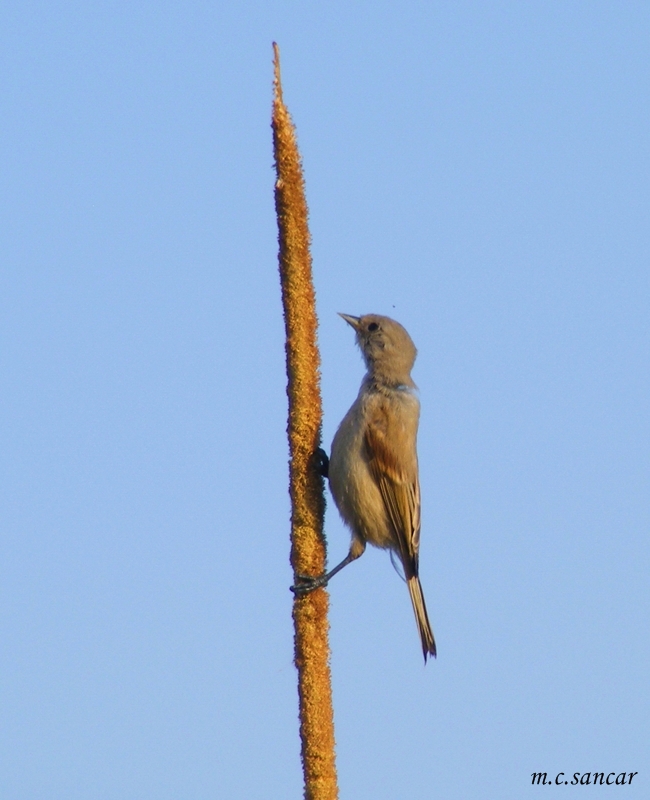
(429, 651)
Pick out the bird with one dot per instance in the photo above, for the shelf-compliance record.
(373, 463)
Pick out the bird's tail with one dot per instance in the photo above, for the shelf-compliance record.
(421, 617)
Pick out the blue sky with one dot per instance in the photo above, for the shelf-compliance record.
(477, 170)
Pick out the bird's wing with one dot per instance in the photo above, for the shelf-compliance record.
(393, 463)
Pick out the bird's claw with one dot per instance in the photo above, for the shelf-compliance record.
(321, 462)
(307, 583)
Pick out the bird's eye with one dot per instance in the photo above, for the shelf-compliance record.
(373, 327)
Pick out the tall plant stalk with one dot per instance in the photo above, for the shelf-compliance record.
(308, 547)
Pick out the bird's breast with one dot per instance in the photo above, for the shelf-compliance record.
(353, 485)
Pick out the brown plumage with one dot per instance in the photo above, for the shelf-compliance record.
(373, 469)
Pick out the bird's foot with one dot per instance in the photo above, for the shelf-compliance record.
(321, 462)
(308, 583)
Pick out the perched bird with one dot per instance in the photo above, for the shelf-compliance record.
(373, 467)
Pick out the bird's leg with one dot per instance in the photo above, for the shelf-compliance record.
(307, 583)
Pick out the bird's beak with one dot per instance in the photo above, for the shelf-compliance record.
(353, 321)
